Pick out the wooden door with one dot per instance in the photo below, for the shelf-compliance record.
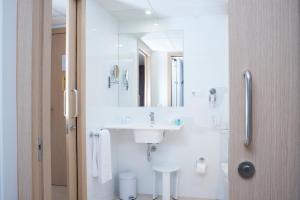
(265, 39)
(71, 100)
(58, 135)
(33, 71)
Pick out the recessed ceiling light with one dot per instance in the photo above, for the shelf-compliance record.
(148, 12)
(155, 24)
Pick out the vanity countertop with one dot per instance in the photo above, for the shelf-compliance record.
(133, 126)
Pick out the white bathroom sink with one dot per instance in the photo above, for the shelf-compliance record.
(137, 126)
(146, 133)
(148, 136)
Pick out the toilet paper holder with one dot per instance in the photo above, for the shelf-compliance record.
(200, 160)
(201, 166)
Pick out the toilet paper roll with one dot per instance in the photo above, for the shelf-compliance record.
(201, 168)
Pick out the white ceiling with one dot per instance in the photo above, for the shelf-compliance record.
(169, 41)
(125, 10)
(59, 13)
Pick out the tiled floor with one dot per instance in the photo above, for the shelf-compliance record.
(59, 193)
(149, 197)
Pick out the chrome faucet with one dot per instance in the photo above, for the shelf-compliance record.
(152, 118)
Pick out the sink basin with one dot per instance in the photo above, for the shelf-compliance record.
(146, 133)
(148, 136)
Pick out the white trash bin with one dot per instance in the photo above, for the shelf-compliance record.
(127, 183)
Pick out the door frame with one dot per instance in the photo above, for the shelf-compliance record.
(34, 28)
(81, 120)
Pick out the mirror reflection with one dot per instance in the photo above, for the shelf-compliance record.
(151, 69)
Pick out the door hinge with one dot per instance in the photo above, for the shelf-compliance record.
(40, 149)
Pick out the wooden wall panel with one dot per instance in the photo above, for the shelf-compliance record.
(33, 23)
(24, 98)
(36, 101)
(265, 38)
(81, 80)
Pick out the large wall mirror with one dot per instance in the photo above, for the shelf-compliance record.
(150, 70)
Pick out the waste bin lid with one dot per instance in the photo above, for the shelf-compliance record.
(127, 175)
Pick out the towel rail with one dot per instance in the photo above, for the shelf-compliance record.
(92, 134)
(95, 134)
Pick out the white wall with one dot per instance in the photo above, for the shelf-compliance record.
(206, 66)
(101, 56)
(8, 86)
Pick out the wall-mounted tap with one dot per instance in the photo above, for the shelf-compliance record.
(152, 118)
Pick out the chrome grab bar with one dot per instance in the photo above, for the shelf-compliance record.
(76, 103)
(248, 108)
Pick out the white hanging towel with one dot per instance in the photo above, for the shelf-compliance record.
(105, 156)
(95, 155)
